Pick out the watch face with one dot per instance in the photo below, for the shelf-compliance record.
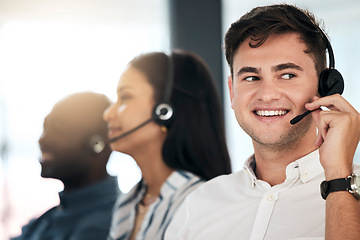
(357, 182)
(355, 186)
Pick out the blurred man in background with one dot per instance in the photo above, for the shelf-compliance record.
(75, 149)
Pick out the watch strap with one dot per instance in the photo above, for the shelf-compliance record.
(339, 184)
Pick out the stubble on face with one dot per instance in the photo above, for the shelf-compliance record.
(288, 140)
(274, 134)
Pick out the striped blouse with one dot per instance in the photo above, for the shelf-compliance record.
(159, 214)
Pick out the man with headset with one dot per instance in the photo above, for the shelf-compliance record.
(75, 149)
(301, 181)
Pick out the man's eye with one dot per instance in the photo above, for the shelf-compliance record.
(251, 78)
(287, 76)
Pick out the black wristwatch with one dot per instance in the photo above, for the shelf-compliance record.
(350, 184)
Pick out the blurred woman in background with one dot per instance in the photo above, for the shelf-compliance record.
(169, 118)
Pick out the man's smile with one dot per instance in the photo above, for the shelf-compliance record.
(270, 113)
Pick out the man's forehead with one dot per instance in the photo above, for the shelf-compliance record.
(289, 45)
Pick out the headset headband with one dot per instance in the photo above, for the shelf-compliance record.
(170, 80)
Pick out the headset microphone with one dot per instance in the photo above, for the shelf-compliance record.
(330, 80)
(161, 112)
(336, 88)
(132, 130)
(298, 118)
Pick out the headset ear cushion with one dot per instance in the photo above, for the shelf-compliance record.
(330, 82)
(163, 114)
(97, 144)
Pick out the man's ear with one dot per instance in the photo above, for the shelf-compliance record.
(231, 91)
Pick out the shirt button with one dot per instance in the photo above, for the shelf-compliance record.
(270, 197)
(304, 177)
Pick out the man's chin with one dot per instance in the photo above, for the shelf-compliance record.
(46, 171)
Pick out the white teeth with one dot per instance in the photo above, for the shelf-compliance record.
(270, 113)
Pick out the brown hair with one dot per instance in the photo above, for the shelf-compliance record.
(262, 22)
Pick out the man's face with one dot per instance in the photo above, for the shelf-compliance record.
(63, 143)
(270, 86)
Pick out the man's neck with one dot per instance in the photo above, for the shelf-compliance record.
(154, 170)
(271, 163)
(74, 184)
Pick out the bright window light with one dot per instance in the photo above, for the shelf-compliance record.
(41, 62)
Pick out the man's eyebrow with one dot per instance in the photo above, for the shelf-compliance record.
(248, 70)
(284, 66)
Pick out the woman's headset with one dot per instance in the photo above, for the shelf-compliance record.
(163, 112)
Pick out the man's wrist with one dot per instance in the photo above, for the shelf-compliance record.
(337, 173)
(350, 184)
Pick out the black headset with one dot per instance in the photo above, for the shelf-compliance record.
(163, 112)
(330, 80)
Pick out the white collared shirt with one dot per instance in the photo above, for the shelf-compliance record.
(239, 206)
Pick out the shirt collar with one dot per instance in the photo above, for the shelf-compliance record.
(306, 168)
(175, 181)
(249, 167)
